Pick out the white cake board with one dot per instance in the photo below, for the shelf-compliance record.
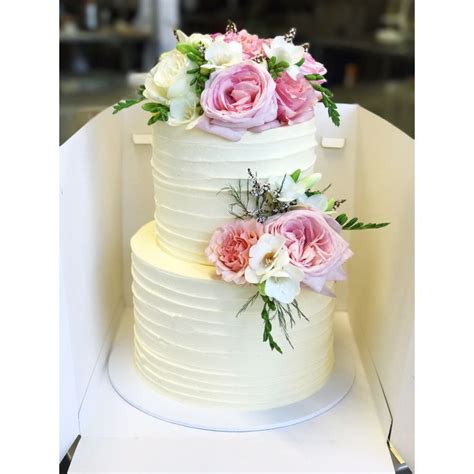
(139, 393)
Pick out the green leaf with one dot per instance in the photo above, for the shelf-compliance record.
(126, 103)
(152, 107)
(193, 71)
(154, 118)
(327, 100)
(295, 175)
(355, 224)
(330, 204)
(261, 289)
(267, 326)
(185, 48)
(300, 62)
(195, 58)
(341, 219)
(350, 223)
(204, 71)
(314, 77)
(282, 65)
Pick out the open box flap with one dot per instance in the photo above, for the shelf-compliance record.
(90, 257)
(69, 406)
(381, 297)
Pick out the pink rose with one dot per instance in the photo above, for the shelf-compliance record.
(314, 245)
(229, 248)
(252, 45)
(237, 99)
(311, 66)
(295, 98)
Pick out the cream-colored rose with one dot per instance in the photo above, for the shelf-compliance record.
(183, 110)
(168, 78)
(220, 54)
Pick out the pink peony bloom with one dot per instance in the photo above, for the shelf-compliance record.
(229, 248)
(252, 45)
(314, 245)
(295, 98)
(237, 99)
(311, 66)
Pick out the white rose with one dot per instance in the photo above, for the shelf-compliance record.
(269, 263)
(220, 54)
(168, 77)
(183, 38)
(183, 110)
(284, 51)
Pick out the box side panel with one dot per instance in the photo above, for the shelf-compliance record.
(381, 274)
(137, 185)
(90, 239)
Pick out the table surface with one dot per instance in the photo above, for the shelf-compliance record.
(119, 438)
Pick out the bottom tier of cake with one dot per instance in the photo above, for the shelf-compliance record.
(190, 344)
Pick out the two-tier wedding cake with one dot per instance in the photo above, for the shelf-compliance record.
(243, 241)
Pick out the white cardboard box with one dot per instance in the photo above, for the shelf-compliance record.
(106, 194)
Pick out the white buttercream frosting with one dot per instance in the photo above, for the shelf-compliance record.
(190, 344)
(190, 167)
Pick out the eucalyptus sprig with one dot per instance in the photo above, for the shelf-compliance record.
(355, 224)
(126, 103)
(327, 96)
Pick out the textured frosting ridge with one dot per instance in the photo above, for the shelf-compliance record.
(190, 344)
(190, 167)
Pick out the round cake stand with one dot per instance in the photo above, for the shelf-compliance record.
(139, 393)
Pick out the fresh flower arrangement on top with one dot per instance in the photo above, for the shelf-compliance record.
(228, 83)
(285, 234)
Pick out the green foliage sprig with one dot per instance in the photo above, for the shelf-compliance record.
(269, 305)
(195, 53)
(126, 103)
(327, 96)
(160, 112)
(274, 68)
(274, 309)
(355, 224)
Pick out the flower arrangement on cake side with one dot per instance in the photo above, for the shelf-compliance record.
(285, 234)
(233, 82)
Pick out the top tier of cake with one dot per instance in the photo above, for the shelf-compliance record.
(190, 167)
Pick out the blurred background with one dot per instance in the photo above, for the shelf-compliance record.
(366, 45)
